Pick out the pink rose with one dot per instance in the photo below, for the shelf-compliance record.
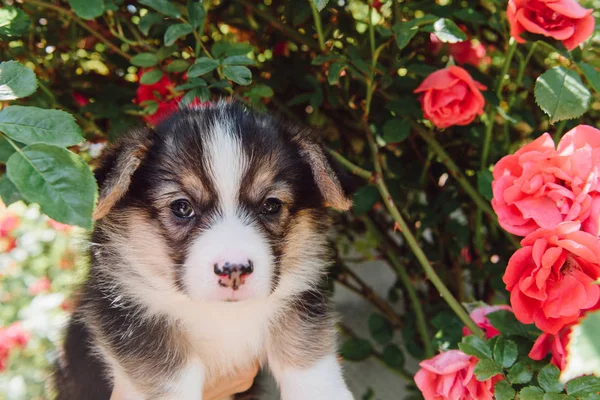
(465, 52)
(540, 187)
(450, 96)
(450, 375)
(564, 20)
(550, 279)
(39, 286)
(479, 316)
(11, 337)
(555, 344)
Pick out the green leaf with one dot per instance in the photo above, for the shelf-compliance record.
(356, 349)
(191, 84)
(151, 77)
(324, 58)
(201, 93)
(447, 31)
(203, 65)
(555, 396)
(591, 74)
(196, 13)
(474, 346)
(16, 81)
(87, 9)
(364, 199)
(396, 130)
(584, 348)
(503, 391)
(150, 106)
(470, 15)
(393, 356)
(320, 4)
(484, 184)
(6, 149)
(176, 31)
(531, 393)
(505, 352)
(144, 60)
(14, 22)
(34, 125)
(519, 374)
(148, 20)
(508, 325)
(583, 386)
(177, 66)
(404, 32)
(240, 75)
(260, 91)
(380, 328)
(485, 369)
(333, 74)
(238, 60)
(561, 94)
(165, 7)
(8, 191)
(548, 379)
(58, 180)
(165, 52)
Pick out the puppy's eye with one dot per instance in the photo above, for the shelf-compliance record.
(182, 209)
(271, 206)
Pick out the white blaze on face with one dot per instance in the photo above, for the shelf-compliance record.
(231, 236)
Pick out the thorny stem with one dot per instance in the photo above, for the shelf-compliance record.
(318, 27)
(397, 266)
(83, 24)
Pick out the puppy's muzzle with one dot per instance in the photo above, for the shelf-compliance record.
(233, 275)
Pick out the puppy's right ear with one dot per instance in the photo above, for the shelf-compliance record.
(117, 167)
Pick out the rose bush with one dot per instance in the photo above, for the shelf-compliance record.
(463, 124)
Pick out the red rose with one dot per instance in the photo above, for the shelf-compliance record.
(564, 20)
(13, 336)
(555, 344)
(540, 187)
(80, 99)
(479, 316)
(450, 376)
(550, 279)
(450, 96)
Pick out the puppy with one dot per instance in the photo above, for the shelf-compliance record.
(207, 255)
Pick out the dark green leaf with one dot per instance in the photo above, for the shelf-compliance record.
(548, 379)
(192, 83)
(404, 32)
(396, 130)
(561, 94)
(591, 75)
(203, 65)
(519, 374)
(8, 191)
(260, 91)
(380, 328)
(503, 391)
(333, 74)
(447, 31)
(474, 346)
(189, 97)
(222, 49)
(470, 15)
(364, 199)
(14, 22)
(58, 180)
(583, 386)
(393, 356)
(165, 7)
(150, 106)
(238, 74)
(144, 60)
(87, 9)
(177, 66)
(176, 31)
(324, 58)
(485, 369)
(356, 349)
(484, 184)
(148, 20)
(555, 396)
(151, 77)
(34, 125)
(238, 60)
(508, 325)
(320, 4)
(531, 393)
(505, 352)
(196, 13)
(6, 149)
(16, 81)
(165, 52)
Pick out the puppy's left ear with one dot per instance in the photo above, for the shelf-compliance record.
(327, 177)
(117, 167)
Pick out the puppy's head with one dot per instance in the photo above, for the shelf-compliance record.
(220, 203)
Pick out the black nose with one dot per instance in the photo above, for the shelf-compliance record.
(232, 275)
